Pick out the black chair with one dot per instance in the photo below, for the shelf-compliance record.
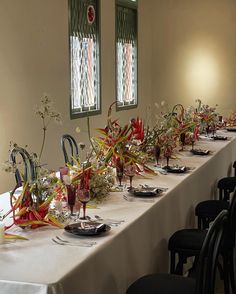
(74, 150)
(29, 169)
(188, 243)
(206, 211)
(204, 283)
(234, 166)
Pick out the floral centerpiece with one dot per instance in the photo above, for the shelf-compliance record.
(172, 127)
(94, 176)
(207, 115)
(31, 208)
(230, 121)
(119, 146)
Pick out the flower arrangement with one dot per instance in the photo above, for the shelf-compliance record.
(231, 120)
(31, 208)
(100, 184)
(118, 146)
(207, 115)
(171, 127)
(167, 142)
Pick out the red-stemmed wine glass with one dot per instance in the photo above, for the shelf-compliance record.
(120, 172)
(71, 196)
(84, 198)
(63, 172)
(130, 171)
(182, 140)
(157, 153)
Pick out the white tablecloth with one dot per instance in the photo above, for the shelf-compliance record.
(136, 247)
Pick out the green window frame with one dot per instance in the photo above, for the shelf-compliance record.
(84, 44)
(126, 54)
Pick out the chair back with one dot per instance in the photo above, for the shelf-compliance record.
(73, 148)
(234, 166)
(226, 186)
(29, 169)
(206, 271)
(229, 241)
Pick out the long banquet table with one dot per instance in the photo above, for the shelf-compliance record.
(136, 247)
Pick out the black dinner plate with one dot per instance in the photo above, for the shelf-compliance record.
(175, 169)
(231, 129)
(145, 191)
(87, 228)
(200, 151)
(222, 138)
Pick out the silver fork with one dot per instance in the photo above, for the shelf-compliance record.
(80, 241)
(132, 199)
(71, 244)
(109, 220)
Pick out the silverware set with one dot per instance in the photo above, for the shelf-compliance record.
(136, 199)
(80, 243)
(108, 221)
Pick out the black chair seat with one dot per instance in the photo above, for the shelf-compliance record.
(187, 239)
(211, 208)
(162, 284)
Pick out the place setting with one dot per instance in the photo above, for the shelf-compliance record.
(143, 193)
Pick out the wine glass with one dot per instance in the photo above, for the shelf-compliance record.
(63, 172)
(157, 153)
(182, 140)
(120, 173)
(71, 196)
(167, 160)
(207, 130)
(213, 130)
(84, 197)
(130, 171)
(167, 155)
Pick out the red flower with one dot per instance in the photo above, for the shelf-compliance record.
(137, 129)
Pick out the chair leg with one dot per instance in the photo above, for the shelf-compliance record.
(221, 270)
(205, 223)
(172, 262)
(231, 272)
(225, 257)
(180, 265)
(199, 222)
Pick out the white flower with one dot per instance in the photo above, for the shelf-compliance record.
(58, 205)
(66, 180)
(163, 103)
(157, 105)
(78, 130)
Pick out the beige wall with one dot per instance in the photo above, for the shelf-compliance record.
(194, 46)
(186, 51)
(34, 59)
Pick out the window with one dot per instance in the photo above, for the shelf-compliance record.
(84, 57)
(126, 54)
